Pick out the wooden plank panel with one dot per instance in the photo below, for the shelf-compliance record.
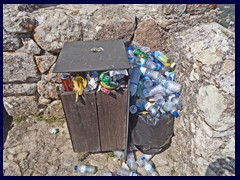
(82, 121)
(112, 119)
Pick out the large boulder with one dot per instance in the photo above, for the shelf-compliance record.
(206, 128)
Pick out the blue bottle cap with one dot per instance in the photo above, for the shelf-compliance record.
(176, 94)
(145, 78)
(142, 158)
(141, 108)
(175, 114)
(158, 67)
(130, 48)
(152, 54)
(75, 168)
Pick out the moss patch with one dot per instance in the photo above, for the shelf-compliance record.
(18, 119)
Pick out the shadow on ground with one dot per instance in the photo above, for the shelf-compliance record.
(221, 167)
(7, 124)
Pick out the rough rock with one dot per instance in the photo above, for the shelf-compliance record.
(48, 90)
(29, 47)
(110, 23)
(55, 28)
(149, 34)
(52, 77)
(45, 62)
(208, 121)
(54, 110)
(11, 42)
(19, 67)
(213, 104)
(21, 105)
(17, 22)
(43, 101)
(19, 89)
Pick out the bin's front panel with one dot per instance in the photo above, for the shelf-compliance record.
(82, 121)
(112, 111)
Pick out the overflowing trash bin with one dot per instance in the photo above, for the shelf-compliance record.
(119, 99)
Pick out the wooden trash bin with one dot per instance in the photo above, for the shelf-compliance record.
(97, 122)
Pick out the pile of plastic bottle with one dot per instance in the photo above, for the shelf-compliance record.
(153, 90)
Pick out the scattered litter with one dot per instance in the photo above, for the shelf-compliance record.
(86, 169)
(54, 131)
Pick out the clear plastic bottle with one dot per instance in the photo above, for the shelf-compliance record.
(133, 109)
(178, 104)
(172, 86)
(109, 174)
(152, 74)
(159, 89)
(125, 172)
(149, 64)
(150, 108)
(140, 162)
(119, 154)
(140, 103)
(149, 167)
(86, 169)
(131, 161)
(131, 57)
(147, 82)
(169, 106)
(134, 79)
(159, 99)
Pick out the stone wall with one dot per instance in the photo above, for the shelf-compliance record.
(203, 50)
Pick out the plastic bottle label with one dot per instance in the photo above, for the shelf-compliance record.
(148, 105)
(148, 167)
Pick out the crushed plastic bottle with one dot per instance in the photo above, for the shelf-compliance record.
(86, 169)
(119, 154)
(109, 174)
(147, 82)
(131, 161)
(140, 162)
(149, 167)
(125, 172)
(152, 74)
(134, 79)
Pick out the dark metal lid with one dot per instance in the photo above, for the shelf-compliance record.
(78, 57)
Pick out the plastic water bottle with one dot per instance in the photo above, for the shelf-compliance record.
(172, 86)
(161, 57)
(147, 82)
(125, 172)
(148, 64)
(140, 103)
(159, 99)
(150, 108)
(109, 174)
(119, 154)
(133, 109)
(170, 107)
(131, 57)
(152, 74)
(149, 167)
(131, 162)
(157, 62)
(86, 169)
(139, 89)
(140, 162)
(159, 89)
(176, 101)
(134, 79)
